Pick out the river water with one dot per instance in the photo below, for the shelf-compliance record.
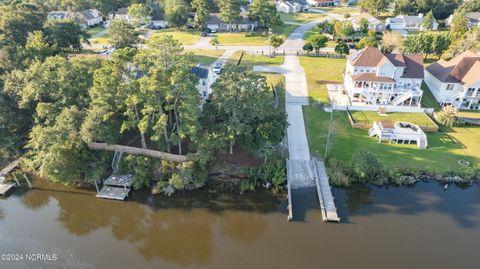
(389, 227)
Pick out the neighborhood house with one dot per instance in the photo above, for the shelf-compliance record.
(456, 82)
(294, 6)
(121, 13)
(404, 23)
(59, 15)
(473, 19)
(373, 23)
(89, 17)
(323, 3)
(203, 84)
(241, 25)
(374, 78)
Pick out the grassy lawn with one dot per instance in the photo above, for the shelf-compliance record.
(301, 17)
(254, 59)
(339, 10)
(428, 100)
(278, 81)
(188, 37)
(204, 56)
(95, 30)
(238, 39)
(104, 40)
(469, 114)
(318, 69)
(284, 30)
(443, 153)
(420, 119)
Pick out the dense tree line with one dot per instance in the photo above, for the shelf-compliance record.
(441, 9)
(52, 105)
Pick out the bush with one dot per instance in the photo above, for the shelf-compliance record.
(337, 173)
(270, 172)
(250, 34)
(366, 167)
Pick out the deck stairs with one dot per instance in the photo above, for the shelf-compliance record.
(402, 98)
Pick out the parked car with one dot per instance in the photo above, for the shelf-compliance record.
(204, 33)
(213, 30)
(217, 68)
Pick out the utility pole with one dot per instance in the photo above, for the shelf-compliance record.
(270, 42)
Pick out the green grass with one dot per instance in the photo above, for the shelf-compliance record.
(204, 56)
(318, 69)
(301, 17)
(443, 153)
(95, 30)
(104, 40)
(469, 114)
(428, 100)
(367, 117)
(250, 60)
(278, 81)
(188, 37)
(239, 39)
(340, 10)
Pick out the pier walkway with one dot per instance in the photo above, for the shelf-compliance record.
(4, 185)
(302, 171)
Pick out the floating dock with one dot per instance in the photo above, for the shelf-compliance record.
(116, 187)
(4, 185)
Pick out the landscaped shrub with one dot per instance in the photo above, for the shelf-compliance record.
(249, 34)
(337, 173)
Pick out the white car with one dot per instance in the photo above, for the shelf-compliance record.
(217, 68)
(214, 30)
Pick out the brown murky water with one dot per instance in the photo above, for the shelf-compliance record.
(395, 227)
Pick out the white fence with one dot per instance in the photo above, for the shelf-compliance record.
(389, 109)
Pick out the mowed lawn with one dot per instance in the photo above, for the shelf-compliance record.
(318, 69)
(250, 60)
(367, 117)
(444, 150)
(301, 17)
(204, 56)
(188, 37)
(259, 39)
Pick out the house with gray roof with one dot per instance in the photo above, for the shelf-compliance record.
(403, 23)
(88, 17)
(241, 25)
(293, 6)
(59, 15)
(203, 83)
(473, 19)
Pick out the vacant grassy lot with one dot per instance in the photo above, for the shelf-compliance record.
(301, 17)
(255, 59)
(420, 119)
(205, 57)
(444, 150)
(188, 37)
(259, 39)
(340, 10)
(318, 69)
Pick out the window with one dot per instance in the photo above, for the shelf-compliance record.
(449, 87)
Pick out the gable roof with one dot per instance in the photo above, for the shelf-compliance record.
(215, 19)
(463, 69)
(473, 16)
(413, 66)
(89, 14)
(59, 15)
(200, 72)
(369, 57)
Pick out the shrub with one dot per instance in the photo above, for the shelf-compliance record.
(366, 166)
(337, 173)
(249, 34)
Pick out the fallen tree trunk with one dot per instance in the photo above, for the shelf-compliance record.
(138, 151)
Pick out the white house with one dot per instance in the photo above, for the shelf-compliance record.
(59, 15)
(323, 3)
(456, 82)
(473, 19)
(404, 23)
(89, 17)
(203, 85)
(373, 23)
(374, 78)
(121, 13)
(241, 25)
(293, 6)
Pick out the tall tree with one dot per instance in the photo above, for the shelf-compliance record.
(368, 41)
(176, 12)
(122, 34)
(138, 14)
(65, 35)
(428, 21)
(342, 48)
(265, 12)
(391, 41)
(318, 41)
(202, 13)
(18, 20)
(230, 10)
(243, 111)
(374, 6)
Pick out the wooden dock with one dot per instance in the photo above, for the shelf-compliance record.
(325, 197)
(116, 187)
(289, 207)
(5, 186)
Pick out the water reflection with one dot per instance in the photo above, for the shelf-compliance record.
(178, 229)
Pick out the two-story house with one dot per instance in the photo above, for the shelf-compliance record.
(456, 82)
(59, 15)
(203, 85)
(404, 23)
(88, 17)
(292, 6)
(374, 24)
(374, 78)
